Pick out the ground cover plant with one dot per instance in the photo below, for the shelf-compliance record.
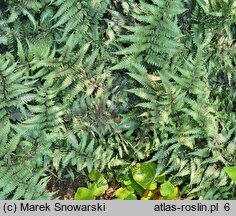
(124, 99)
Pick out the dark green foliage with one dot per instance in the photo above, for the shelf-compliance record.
(189, 122)
(100, 84)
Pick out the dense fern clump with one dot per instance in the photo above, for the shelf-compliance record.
(102, 85)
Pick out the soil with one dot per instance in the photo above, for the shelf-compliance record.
(110, 192)
(65, 188)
